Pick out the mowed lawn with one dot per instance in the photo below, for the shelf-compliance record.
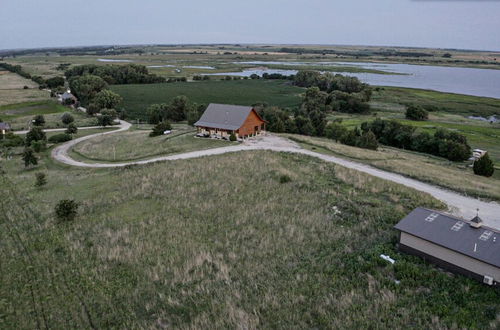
(136, 144)
(136, 98)
(221, 242)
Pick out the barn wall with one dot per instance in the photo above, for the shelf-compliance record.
(248, 126)
(451, 257)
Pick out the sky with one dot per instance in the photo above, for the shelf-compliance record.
(465, 24)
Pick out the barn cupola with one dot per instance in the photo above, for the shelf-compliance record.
(476, 222)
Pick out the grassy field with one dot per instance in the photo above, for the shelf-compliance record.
(393, 97)
(136, 98)
(435, 170)
(219, 242)
(136, 144)
(12, 89)
(19, 115)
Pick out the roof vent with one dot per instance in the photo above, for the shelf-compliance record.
(476, 222)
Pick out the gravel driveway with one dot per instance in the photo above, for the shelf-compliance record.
(459, 205)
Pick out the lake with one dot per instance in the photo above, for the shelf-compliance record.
(470, 81)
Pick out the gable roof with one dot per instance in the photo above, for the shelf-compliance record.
(67, 95)
(5, 126)
(453, 233)
(224, 116)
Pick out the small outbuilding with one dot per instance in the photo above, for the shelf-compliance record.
(67, 98)
(4, 128)
(221, 120)
(460, 246)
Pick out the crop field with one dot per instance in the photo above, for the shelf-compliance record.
(189, 244)
(12, 89)
(136, 144)
(136, 98)
(423, 167)
(9, 80)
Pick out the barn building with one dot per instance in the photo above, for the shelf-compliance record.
(220, 120)
(465, 247)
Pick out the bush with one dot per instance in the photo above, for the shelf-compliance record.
(40, 179)
(11, 140)
(66, 210)
(72, 129)
(160, 128)
(232, 137)
(484, 166)
(415, 112)
(368, 140)
(58, 138)
(285, 178)
(38, 120)
(67, 118)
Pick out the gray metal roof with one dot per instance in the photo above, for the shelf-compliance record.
(4, 125)
(224, 116)
(453, 233)
(67, 95)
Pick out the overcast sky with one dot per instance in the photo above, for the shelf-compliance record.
(473, 24)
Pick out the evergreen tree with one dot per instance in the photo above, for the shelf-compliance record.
(484, 166)
(29, 157)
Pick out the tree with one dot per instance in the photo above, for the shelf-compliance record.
(66, 210)
(86, 87)
(416, 112)
(67, 118)
(40, 179)
(54, 82)
(35, 134)
(314, 100)
(157, 113)
(304, 125)
(368, 140)
(106, 99)
(38, 120)
(29, 157)
(484, 166)
(318, 121)
(106, 117)
(72, 129)
(178, 108)
(160, 128)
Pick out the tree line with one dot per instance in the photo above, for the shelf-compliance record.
(116, 74)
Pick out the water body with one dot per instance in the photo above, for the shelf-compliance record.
(469, 81)
(161, 66)
(199, 67)
(110, 60)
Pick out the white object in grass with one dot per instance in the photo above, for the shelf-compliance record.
(383, 256)
(167, 132)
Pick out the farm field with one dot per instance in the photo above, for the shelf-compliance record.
(220, 250)
(136, 144)
(12, 89)
(423, 167)
(136, 98)
(19, 115)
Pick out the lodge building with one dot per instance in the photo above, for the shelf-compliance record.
(220, 120)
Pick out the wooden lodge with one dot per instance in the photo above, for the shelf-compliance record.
(220, 120)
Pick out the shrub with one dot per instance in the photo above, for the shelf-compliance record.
(40, 179)
(67, 118)
(66, 210)
(38, 120)
(232, 137)
(285, 178)
(58, 138)
(160, 128)
(368, 140)
(415, 112)
(72, 129)
(484, 166)
(11, 140)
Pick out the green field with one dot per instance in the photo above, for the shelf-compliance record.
(189, 244)
(136, 98)
(136, 144)
(392, 98)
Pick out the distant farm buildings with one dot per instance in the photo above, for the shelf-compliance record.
(4, 128)
(67, 98)
(465, 247)
(222, 120)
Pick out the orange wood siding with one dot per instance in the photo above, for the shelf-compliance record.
(248, 126)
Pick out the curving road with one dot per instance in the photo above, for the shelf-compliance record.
(459, 205)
